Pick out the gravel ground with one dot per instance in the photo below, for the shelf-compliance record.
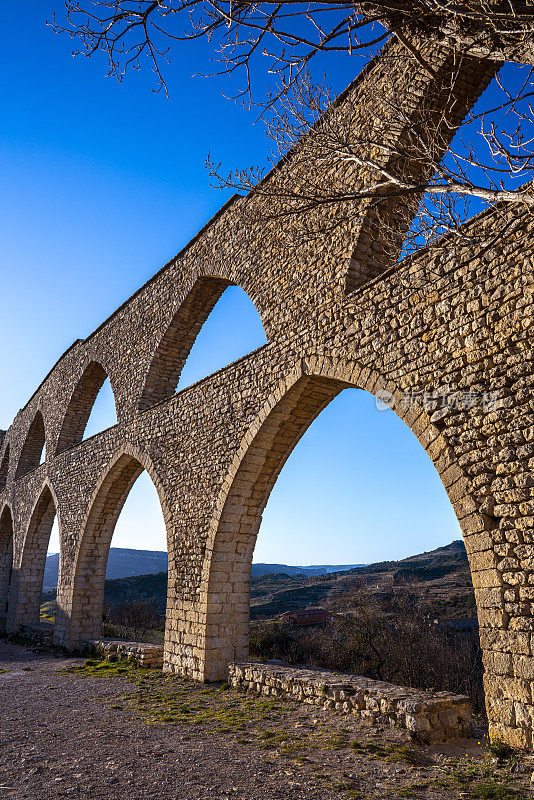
(112, 731)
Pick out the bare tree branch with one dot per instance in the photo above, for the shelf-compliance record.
(493, 166)
(486, 161)
(292, 33)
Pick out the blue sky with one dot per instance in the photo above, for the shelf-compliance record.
(101, 184)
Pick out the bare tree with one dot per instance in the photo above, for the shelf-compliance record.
(469, 163)
(418, 187)
(292, 33)
(393, 640)
(136, 619)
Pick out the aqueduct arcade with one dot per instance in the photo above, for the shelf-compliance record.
(337, 312)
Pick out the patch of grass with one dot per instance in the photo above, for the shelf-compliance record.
(412, 790)
(105, 667)
(159, 698)
(493, 790)
(338, 741)
(391, 752)
(478, 781)
(371, 747)
(47, 612)
(401, 753)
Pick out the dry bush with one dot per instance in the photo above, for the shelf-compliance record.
(405, 648)
(134, 620)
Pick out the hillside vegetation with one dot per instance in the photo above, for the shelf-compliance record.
(438, 583)
(388, 619)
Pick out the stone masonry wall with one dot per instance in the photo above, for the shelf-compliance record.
(146, 655)
(430, 716)
(337, 314)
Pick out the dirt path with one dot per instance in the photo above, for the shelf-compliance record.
(110, 731)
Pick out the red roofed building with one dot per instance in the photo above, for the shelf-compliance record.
(306, 616)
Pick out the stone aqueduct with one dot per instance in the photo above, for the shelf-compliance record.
(336, 315)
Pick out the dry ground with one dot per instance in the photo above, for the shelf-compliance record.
(107, 731)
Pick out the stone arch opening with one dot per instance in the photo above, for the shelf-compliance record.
(227, 579)
(81, 405)
(178, 340)
(434, 112)
(85, 596)
(33, 449)
(27, 581)
(327, 505)
(233, 330)
(265, 449)
(6, 562)
(4, 468)
(177, 344)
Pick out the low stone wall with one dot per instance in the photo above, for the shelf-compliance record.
(38, 634)
(431, 716)
(144, 654)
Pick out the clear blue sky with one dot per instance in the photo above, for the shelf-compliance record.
(101, 184)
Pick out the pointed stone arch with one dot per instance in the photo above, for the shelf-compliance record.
(264, 450)
(33, 447)
(27, 579)
(80, 605)
(177, 341)
(80, 406)
(6, 561)
(434, 110)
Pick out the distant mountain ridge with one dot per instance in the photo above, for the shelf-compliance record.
(437, 582)
(310, 571)
(124, 562)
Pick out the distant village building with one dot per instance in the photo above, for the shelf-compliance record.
(307, 616)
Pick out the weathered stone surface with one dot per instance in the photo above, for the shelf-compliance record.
(431, 716)
(142, 653)
(447, 330)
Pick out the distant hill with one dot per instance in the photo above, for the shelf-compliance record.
(126, 563)
(438, 582)
(140, 587)
(276, 569)
(122, 563)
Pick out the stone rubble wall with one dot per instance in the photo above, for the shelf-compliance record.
(39, 634)
(142, 653)
(430, 716)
